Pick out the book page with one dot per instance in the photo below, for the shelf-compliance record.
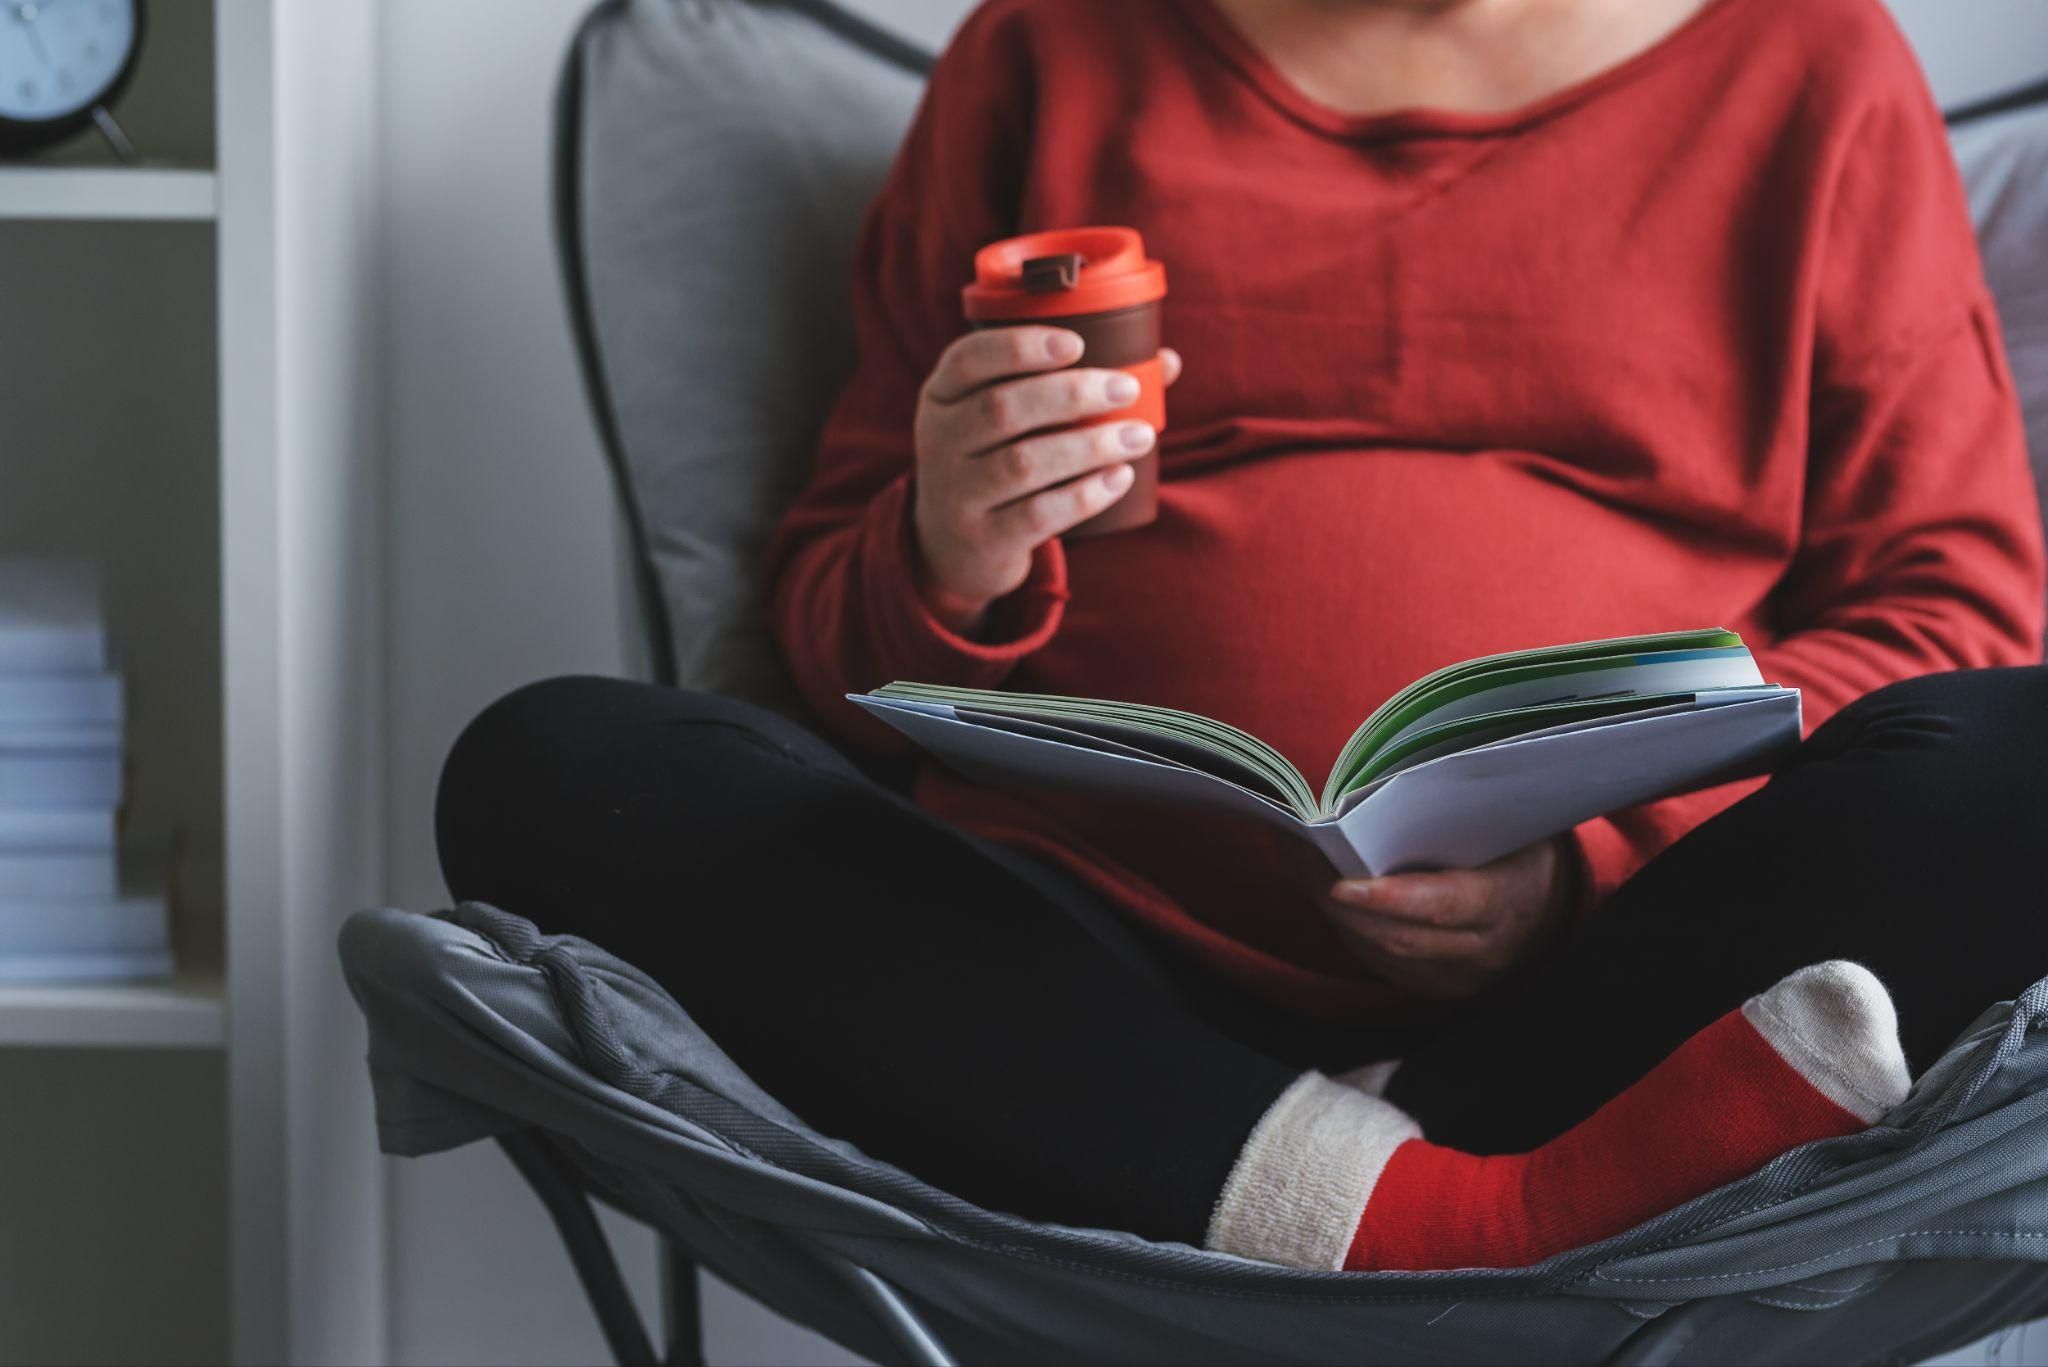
(1467, 808)
(1476, 733)
(1587, 672)
(1130, 742)
(1010, 758)
(1140, 724)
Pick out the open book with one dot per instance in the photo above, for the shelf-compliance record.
(1462, 766)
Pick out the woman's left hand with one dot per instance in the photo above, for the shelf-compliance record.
(1453, 934)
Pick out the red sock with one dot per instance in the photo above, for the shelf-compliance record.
(1817, 1055)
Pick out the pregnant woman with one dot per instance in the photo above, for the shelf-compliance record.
(1497, 323)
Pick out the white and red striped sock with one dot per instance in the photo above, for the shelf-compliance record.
(1332, 1177)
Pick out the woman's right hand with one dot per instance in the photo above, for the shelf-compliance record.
(993, 483)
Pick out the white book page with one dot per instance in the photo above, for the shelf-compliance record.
(1009, 757)
(1091, 733)
(1465, 809)
(1064, 735)
(1666, 677)
(1720, 697)
(1356, 796)
(1456, 811)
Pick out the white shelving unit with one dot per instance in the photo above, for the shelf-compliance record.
(187, 1012)
(86, 193)
(184, 1013)
(110, 445)
(185, 345)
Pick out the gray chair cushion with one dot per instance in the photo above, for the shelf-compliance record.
(2004, 161)
(724, 153)
(1888, 1245)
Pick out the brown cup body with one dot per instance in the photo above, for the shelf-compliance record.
(1115, 339)
(1119, 339)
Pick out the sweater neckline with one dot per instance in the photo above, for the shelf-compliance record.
(1245, 58)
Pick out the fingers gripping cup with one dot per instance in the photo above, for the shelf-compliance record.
(1095, 282)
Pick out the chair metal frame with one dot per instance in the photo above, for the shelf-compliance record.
(561, 1190)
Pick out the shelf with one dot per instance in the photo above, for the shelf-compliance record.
(114, 192)
(184, 1013)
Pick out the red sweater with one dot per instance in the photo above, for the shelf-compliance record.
(1700, 341)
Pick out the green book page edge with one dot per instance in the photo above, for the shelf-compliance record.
(1505, 725)
(1431, 691)
(1218, 738)
(1447, 685)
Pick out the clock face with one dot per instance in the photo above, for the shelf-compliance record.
(59, 56)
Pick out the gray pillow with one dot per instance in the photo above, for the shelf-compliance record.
(723, 155)
(2004, 161)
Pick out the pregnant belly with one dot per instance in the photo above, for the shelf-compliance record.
(1290, 595)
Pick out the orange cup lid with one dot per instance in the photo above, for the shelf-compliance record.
(1062, 272)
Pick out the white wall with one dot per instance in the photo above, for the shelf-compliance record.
(1973, 48)
(501, 559)
(329, 413)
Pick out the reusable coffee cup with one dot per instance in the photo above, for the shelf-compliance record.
(1095, 282)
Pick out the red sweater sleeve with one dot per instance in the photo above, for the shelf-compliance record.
(1920, 546)
(845, 605)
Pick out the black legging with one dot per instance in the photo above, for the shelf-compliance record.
(994, 1028)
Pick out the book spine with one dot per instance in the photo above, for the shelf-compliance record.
(85, 967)
(49, 874)
(68, 926)
(24, 831)
(1331, 838)
(53, 650)
(60, 780)
(59, 699)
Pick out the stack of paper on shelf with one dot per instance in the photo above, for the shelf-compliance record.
(63, 917)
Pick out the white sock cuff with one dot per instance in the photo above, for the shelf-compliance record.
(1301, 1181)
(1836, 1025)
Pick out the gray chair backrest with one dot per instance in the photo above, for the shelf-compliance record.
(714, 160)
(2003, 153)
